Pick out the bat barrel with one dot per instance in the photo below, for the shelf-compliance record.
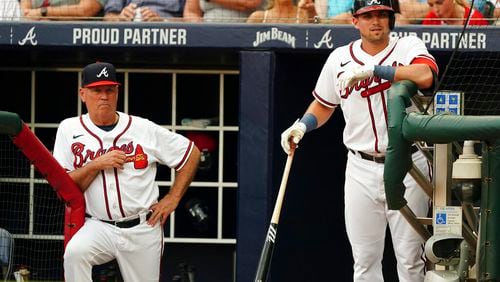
(267, 249)
(266, 255)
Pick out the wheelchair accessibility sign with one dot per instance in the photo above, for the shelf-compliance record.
(448, 220)
(440, 218)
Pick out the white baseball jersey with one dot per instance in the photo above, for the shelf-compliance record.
(116, 194)
(364, 104)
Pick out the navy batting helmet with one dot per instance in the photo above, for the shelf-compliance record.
(364, 6)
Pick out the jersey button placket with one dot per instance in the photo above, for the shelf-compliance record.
(112, 195)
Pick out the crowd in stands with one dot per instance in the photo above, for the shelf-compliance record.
(427, 12)
(281, 11)
(150, 10)
(452, 12)
(219, 10)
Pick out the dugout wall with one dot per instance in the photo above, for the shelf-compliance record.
(272, 70)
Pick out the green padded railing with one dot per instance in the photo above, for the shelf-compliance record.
(398, 156)
(489, 245)
(405, 128)
(10, 123)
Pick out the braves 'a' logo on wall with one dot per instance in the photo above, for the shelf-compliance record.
(29, 37)
(326, 39)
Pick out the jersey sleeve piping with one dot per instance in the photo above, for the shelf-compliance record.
(323, 101)
(185, 157)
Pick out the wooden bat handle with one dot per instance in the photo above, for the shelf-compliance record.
(281, 193)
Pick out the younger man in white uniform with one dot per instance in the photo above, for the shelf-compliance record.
(356, 77)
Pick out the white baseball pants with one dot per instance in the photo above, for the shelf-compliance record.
(367, 216)
(137, 250)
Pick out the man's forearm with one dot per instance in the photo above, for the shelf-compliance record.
(184, 176)
(421, 74)
(84, 176)
(321, 112)
(112, 17)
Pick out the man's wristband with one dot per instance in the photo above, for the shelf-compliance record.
(385, 72)
(43, 11)
(310, 121)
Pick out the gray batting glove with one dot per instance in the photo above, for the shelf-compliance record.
(350, 77)
(293, 134)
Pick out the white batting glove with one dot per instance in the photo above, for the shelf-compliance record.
(350, 77)
(293, 134)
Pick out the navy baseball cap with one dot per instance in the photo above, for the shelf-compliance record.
(99, 74)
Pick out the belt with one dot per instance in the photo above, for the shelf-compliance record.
(379, 160)
(125, 223)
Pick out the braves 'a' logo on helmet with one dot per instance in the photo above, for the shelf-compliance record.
(364, 6)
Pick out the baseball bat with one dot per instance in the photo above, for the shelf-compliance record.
(267, 250)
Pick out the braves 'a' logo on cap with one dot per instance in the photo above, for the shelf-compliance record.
(371, 2)
(104, 72)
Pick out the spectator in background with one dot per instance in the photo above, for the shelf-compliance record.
(452, 12)
(63, 9)
(484, 6)
(493, 7)
(413, 11)
(280, 11)
(332, 11)
(496, 12)
(219, 10)
(340, 11)
(143, 10)
(9, 10)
